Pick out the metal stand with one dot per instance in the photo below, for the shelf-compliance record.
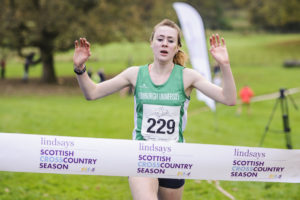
(285, 118)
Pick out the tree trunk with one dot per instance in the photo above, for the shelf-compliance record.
(48, 73)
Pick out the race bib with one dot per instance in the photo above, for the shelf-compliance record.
(160, 122)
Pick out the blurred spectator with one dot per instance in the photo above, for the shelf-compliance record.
(3, 63)
(90, 72)
(217, 79)
(245, 94)
(126, 91)
(101, 75)
(28, 62)
(96, 77)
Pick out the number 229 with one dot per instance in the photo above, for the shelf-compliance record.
(170, 126)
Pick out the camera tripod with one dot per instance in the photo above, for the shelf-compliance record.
(285, 118)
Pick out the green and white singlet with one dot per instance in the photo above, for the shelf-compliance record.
(160, 111)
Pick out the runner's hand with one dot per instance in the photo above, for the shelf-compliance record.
(218, 50)
(82, 52)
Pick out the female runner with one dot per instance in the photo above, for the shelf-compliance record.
(161, 95)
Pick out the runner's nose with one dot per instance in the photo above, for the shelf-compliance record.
(164, 43)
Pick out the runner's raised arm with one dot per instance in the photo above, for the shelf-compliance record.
(90, 89)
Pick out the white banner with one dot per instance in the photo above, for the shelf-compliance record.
(110, 157)
(194, 35)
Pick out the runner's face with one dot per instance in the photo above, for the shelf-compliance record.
(164, 44)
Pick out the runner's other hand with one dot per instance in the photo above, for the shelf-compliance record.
(82, 52)
(218, 50)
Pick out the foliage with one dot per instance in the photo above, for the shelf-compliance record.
(212, 13)
(280, 15)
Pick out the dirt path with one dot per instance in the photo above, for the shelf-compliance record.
(14, 86)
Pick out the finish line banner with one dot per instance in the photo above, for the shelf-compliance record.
(111, 157)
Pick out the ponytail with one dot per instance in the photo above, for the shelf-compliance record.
(180, 58)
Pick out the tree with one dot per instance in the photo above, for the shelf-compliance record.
(46, 25)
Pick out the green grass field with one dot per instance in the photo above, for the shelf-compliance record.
(256, 60)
